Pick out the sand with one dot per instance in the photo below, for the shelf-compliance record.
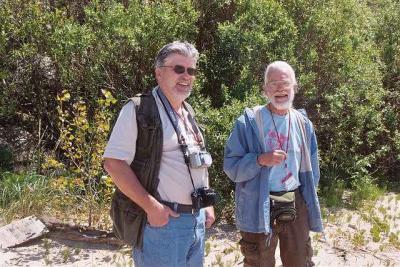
(348, 242)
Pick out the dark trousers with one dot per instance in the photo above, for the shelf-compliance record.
(294, 242)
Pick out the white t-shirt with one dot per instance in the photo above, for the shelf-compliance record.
(175, 184)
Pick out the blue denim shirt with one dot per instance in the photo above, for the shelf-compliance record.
(251, 194)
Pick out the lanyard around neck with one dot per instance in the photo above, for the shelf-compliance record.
(174, 118)
(192, 130)
(277, 134)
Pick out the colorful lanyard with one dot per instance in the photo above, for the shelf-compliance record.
(277, 134)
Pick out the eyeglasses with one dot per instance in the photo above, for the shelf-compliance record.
(179, 69)
(280, 84)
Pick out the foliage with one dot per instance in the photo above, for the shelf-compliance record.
(13, 186)
(6, 158)
(83, 140)
(358, 239)
(388, 36)
(332, 193)
(394, 240)
(57, 58)
(364, 189)
(218, 124)
(23, 194)
(341, 83)
(260, 32)
(46, 48)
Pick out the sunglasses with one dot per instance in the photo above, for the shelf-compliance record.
(178, 69)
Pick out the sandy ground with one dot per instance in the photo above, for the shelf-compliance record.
(348, 243)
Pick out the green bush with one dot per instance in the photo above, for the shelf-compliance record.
(218, 124)
(341, 83)
(261, 31)
(6, 158)
(388, 37)
(332, 187)
(46, 49)
(364, 189)
(345, 53)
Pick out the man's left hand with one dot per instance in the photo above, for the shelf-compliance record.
(210, 216)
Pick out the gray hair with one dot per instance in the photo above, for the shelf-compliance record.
(282, 66)
(181, 48)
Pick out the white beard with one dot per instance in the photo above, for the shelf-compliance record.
(181, 96)
(282, 106)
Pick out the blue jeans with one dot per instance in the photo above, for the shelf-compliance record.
(178, 243)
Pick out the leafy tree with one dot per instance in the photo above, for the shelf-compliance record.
(340, 78)
(388, 37)
(261, 31)
(46, 49)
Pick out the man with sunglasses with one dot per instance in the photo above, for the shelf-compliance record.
(174, 228)
(272, 156)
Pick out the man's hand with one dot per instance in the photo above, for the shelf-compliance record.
(272, 158)
(158, 214)
(210, 216)
(127, 181)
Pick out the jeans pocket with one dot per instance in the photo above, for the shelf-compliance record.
(148, 225)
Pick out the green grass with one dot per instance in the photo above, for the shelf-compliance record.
(364, 189)
(14, 186)
(358, 239)
(332, 194)
(23, 194)
(26, 194)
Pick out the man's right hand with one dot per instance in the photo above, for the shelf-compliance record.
(127, 181)
(272, 158)
(158, 214)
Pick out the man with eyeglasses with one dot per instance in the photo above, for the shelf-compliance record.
(272, 156)
(159, 162)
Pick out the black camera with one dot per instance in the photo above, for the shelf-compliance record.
(203, 197)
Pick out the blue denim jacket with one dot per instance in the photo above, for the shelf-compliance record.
(251, 194)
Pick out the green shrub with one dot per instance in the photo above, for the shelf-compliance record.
(364, 189)
(6, 158)
(332, 193)
(341, 83)
(388, 38)
(345, 53)
(103, 45)
(218, 124)
(261, 31)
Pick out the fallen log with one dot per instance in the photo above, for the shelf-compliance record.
(75, 232)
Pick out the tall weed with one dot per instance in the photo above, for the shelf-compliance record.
(23, 195)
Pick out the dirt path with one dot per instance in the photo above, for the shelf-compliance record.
(349, 242)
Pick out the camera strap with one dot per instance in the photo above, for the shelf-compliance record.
(174, 120)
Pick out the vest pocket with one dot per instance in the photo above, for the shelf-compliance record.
(127, 217)
(145, 134)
